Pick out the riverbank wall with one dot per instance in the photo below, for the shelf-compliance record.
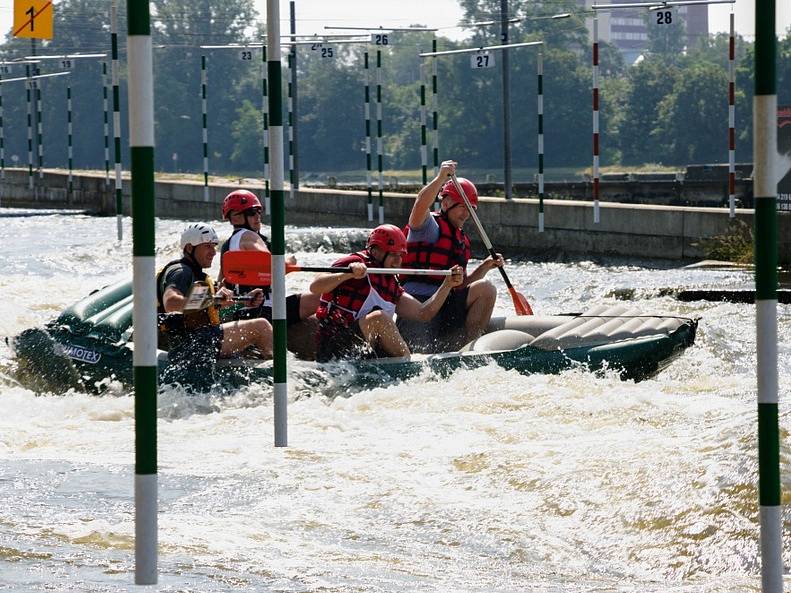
(624, 230)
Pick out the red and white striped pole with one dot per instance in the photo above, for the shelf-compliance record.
(595, 119)
(732, 121)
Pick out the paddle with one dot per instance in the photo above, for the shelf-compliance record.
(199, 298)
(254, 268)
(520, 302)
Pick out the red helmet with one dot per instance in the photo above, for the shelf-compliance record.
(387, 237)
(469, 190)
(239, 200)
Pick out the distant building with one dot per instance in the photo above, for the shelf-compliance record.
(627, 28)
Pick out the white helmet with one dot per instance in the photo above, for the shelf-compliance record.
(198, 233)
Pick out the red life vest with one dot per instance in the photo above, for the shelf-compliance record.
(348, 297)
(451, 248)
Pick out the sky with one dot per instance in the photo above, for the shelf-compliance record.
(313, 15)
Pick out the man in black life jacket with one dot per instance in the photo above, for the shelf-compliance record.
(356, 309)
(243, 210)
(437, 241)
(198, 337)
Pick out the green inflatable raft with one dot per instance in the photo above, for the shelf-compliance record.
(90, 345)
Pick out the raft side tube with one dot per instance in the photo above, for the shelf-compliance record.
(74, 318)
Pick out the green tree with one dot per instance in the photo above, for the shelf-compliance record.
(649, 83)
(666, 33)
(692, 123)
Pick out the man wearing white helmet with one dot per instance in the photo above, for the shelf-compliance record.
(198, 337)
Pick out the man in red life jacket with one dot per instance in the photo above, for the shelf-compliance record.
(437, 241)
(356, 309)
(243, 209)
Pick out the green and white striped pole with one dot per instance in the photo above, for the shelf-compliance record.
(106, 126)
(423, 145)
(39, 124)
(765, 192)
(69, 131)
(379, 145)
(265, 110)
(275, 76)
(368, 135)
(290, 108)
(2, 133)
(119, 204)
(205, 119)
(141, 142)
(435, 118)
(29, 92)
(540, 69)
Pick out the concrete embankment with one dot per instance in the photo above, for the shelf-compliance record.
(631, 230)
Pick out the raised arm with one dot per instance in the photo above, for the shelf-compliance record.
(425, 197)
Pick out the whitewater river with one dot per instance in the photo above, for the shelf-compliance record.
(488, 481)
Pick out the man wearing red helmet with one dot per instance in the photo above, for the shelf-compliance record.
(436, 241)
(356, 309)
(243, 209)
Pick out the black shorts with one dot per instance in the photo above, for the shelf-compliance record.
(292, 311)
(336, 341)
(197, 348)
(445, 332)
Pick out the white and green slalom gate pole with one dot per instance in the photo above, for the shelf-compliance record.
(265, 110)
(368, 135)
(765, 192)
(379, 146)
(435, 120)
(141, 143)
(119, 204)
(540, 103)
(732, 120)
(29, 92)
(275, 77)
(423, 144)
(595, 53)
(203, 80)
(2, 129)
(69, 131)
(290, 109)
(106, 126)
(39, 124)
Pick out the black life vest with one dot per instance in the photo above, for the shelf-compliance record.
(451, 248)
(184, 322)
(239, 288)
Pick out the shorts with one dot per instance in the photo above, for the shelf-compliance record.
(198, 348)
(337, 341)
(265, 311)
(292, 310)
(445, 332)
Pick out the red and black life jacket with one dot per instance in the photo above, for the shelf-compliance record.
(348, 297)
(451, 248)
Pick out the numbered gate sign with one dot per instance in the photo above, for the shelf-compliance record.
(482, 59)
(33, 19)
(66, 64)
(324, 51)
(380, 38)
(246, 54)
(664, 17)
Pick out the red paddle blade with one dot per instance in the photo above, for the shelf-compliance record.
(520, 303)
(249, 268)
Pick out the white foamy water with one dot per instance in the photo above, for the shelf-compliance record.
(487, 481)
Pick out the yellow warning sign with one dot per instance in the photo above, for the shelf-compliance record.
(33, 18)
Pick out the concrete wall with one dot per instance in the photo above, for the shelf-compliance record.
(632, 230)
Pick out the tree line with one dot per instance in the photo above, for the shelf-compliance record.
(671, 108)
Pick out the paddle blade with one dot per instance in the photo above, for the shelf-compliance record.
(248, 268)
(520, 302)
